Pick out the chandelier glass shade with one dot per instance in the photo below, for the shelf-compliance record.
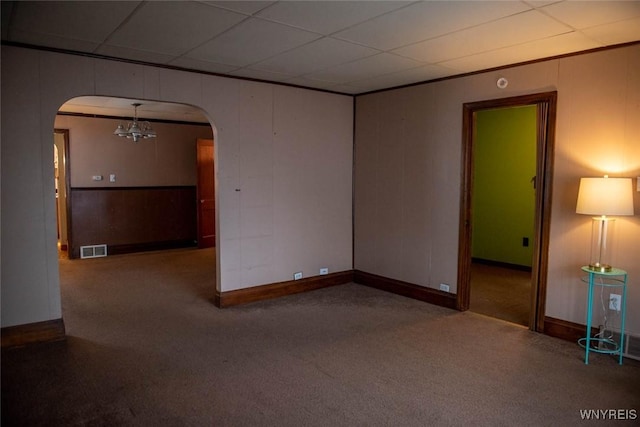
(135, 130)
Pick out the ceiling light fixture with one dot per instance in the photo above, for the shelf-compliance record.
(135, 130)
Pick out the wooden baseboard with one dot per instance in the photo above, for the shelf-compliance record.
(501, 264)
(150, 246)
(276, 290)
(432, 296)
(32, 333)
(565, 330)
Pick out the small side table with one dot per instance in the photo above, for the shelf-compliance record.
(615, 278)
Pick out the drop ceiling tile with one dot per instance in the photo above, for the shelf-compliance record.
(548, 47)
(121, 107)
(425, 20)
(194, 64)
(97, 101)
(173, 27)
(88, 21)
(585, 14)
(316, 55)
(260, 75)
(504, 32)
(414, 75)
(620, 32)
(304, 82)
(251, 41)
(369, 67)
(133, 54)
(540, 3)
(49, 40)
(346, 89)
(245, 6)
(327, 17)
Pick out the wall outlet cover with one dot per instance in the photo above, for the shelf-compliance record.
(615, 301)
(324, 271)
(297, 276)
(444, 287)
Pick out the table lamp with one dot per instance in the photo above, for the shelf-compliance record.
(602, 197)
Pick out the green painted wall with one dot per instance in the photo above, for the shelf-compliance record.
(503, 194)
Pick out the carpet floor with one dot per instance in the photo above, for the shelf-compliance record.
(503, 293)
(146, 347)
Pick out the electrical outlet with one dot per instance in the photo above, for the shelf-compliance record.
(444, 287)
(297, 276)
(324, 270)
(614, 302)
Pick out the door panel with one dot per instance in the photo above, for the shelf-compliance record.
(206, 194)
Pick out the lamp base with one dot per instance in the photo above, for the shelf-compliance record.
(602, 268)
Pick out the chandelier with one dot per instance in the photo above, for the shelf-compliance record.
(135, 130)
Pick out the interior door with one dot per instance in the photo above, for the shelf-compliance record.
(206, 194)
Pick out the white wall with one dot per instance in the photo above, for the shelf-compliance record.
(408, 171)
(288, 152)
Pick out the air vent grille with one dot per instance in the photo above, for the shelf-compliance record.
(631, 345)
(93, 251)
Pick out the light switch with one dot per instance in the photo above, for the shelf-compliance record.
(112, 177)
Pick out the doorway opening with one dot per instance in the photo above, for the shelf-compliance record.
(503, 206)
(132, 196)
(61, 182)
(545, 112)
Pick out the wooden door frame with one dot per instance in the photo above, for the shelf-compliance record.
(546, 104)
(67, 184)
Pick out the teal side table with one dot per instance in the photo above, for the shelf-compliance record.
(615, 278)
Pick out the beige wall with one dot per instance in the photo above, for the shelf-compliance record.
(408, 171)
(168, 159)
(289, 152)
(283, 171)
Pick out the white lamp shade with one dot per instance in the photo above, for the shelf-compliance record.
(605, 196)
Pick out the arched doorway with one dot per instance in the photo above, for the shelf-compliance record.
(114, 184)
(132, 195)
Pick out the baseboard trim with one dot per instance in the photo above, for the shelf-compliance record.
(501, 264)
(150, 246)
(421, 293)
(276, 290)
(563, 329)
(32, 333)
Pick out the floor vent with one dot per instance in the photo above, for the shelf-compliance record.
(631, 345)
(93, 251)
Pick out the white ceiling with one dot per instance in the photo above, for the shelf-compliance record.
(349, 47)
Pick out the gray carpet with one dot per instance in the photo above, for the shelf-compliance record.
(147, 347)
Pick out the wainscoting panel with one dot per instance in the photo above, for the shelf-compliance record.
(131, 219)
